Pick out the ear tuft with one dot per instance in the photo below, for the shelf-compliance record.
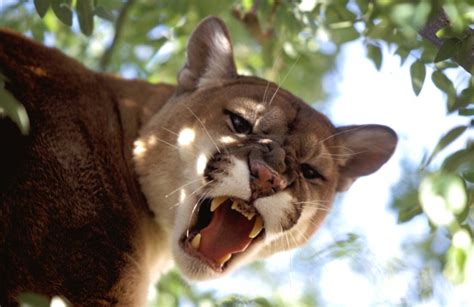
(210, 58)
(367, 148)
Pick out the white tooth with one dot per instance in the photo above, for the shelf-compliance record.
(250, 216)
(196, 242)
(257, 227)
(216, 202)
(235, 206)
(224, 259)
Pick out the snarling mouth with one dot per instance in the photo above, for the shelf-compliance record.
(223, 228)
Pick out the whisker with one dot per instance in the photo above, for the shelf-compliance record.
(285, 234)
(291, 236)
(315, 202)
(339, 133)
(277, 60)
(184, 185)
(203, 126)
(318, 207)
(194, 192)
(305, 236)
(342, 155)
(171, 145)
(192, 213)
(265, 92)
(284, 79)
(170, 131)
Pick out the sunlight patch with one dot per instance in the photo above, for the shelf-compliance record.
(138, 148)
(186, 137)
(57, 302)
(152, 293)
(201, 164)
(227, 139)
(221, 42)
(182, 195)
(151, 140)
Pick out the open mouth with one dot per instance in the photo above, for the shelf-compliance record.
(224, 227)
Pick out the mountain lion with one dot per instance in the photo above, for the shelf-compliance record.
(119, 179)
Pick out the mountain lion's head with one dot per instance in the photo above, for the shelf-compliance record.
(236, 168)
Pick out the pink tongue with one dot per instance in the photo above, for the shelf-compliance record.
(227, 233)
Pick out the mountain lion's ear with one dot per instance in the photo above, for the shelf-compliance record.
(209, 58)
(365, 149)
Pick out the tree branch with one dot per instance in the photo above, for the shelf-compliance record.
(119, 25)
(252, 23)
(438, 22)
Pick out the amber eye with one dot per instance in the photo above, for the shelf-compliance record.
(310, 173)
(240, 124)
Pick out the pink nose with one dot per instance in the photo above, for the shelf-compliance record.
(264, 180)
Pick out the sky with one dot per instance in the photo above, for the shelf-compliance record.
(363, 95)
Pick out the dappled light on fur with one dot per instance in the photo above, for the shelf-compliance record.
(227, 139)
(182, 195)
(186, 137)
(201, 164)
(139, 148)
(151, 141)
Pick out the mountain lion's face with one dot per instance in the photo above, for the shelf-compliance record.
(236, 168)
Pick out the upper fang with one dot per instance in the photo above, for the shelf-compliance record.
(216, 202)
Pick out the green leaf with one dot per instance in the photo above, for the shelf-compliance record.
(465, 48)
(363, 5)
(33, 299)
(465, 98)
(103, 13)
(466, 112)
(344, 35)
(12, 108)
(442, 82)
(447, 139)
(375, 54)
(62, 10)
(442, 197)
(446, 32)
(446, 64)
(459, 161)
(408, 205)
(454, 16)
(448, 49)
(380, 30)
(403, 53)
(455, 261)
(337, 13)
(469, 175)
(421, 14)
(246, 4)
(42, 7)
(418, 74)
(85, 9)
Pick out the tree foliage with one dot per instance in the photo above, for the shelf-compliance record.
(295, 43)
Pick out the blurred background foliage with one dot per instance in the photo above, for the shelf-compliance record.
(146, 39)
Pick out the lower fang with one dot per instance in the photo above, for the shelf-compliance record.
(257, 227)
(196, 242)
(224, 259)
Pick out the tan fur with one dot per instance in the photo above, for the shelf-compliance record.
(73, 219)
